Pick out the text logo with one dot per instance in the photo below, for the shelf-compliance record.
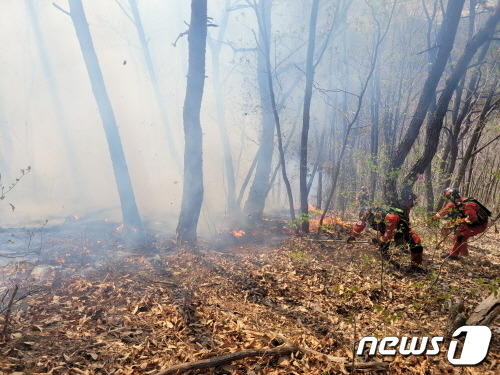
(474, 351)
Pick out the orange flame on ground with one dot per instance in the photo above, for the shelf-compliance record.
(120, 228)
(328, 222)
(238, 233)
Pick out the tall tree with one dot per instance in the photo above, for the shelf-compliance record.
(215, 47)
(56, 99)
(254, 206)
(446, 37)
(192, 189)
(310, 67)
(130, 213)
(435, 126)
(136, 17)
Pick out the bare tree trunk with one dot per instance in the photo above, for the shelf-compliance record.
(154, 82)
(380, 37)
(310, 67)
(434, 129)
(192, 190)
(375, 115)
(74, 163)
(255, 203)
(215, 47)
(476, 135)
(130, 212)
(447, 38)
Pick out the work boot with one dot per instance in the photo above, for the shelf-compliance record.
(415, 268)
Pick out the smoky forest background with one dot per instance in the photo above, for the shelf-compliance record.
(174, 176)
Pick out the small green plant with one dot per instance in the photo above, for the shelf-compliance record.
(299, 254)
(366, 259)
(444, 297)
(491, 285)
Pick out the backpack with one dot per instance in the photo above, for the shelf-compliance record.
(482, 214)
(404, 221)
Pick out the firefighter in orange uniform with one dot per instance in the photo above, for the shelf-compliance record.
(469, 217)
(392, 226)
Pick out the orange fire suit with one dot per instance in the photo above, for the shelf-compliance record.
(394, 228)
(467, 224)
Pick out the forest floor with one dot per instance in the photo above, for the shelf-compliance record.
(95, 304)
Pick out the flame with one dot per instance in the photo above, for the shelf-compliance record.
(328, 222)
(120, 228)
(60, 260)
(238, 233)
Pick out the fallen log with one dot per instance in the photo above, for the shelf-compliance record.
(486, 311)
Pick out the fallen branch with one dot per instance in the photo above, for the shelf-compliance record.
(228, 358)
(372, 366)
(4, 335)
(284, 349)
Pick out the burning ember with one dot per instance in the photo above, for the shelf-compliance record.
(61, 259)
(120, 228)
(238, 233)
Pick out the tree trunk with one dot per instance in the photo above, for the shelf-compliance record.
(154, 82)
(374, 134)
(59, 109)
(192, 190)
(434, 129)
(255, 203)
(306, 116)
(447, 38)
(130, 212)
(476, 135)
(215, 47)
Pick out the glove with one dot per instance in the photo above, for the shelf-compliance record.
(350, 239)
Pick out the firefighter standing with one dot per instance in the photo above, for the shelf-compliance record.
(468, 216)
(392, 226)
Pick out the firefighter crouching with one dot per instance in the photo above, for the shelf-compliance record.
(467, 216)
(392, 226)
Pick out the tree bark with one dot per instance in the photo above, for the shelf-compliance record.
(154, 82)
(486, 312)
(130, 212)
(447, 38)
(254, 206)
(310, 67)
(215, 47)
(192, 190)
(434, 129)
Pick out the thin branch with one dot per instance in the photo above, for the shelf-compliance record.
(61, 9)
(125, 11)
